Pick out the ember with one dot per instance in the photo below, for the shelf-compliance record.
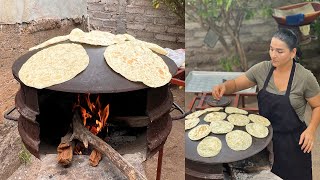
(93, 114)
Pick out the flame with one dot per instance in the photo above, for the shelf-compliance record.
(94, 116)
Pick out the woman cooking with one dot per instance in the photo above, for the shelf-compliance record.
(285, 88)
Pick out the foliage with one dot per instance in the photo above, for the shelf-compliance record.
(228, 63)
(176, 6)
(225, 17)
(24, 155)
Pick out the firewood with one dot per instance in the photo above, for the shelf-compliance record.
(83, 134)
(95, 158)
(65, 150)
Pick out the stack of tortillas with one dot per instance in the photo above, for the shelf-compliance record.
(130, 57)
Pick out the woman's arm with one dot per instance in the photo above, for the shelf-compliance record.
(232, 86)
(307, 138)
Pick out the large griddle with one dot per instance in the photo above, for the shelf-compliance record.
(226, 154)
(98, 77)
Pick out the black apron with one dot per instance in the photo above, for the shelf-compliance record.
(290, 163)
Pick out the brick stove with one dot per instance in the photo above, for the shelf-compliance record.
(46, 114)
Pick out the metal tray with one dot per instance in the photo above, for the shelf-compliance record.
(203, 81)
(226, 154)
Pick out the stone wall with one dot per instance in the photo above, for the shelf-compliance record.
(138, 18)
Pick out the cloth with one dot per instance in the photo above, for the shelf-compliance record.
(178, 56)
(294, 19)
(304, 85)
(290, 163)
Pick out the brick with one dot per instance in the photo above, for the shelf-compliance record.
(135, 10)
(155, 28)
(101, 22)
(95, 7)
(109, 2)
(135, 26)
(156, 13)
(142, 3)
(111, 8)
(166, 21)
(144, 19)
(101, 15)
(93, 1)
(181, 39)
(143, 34)
(165, 37)
(176, 30)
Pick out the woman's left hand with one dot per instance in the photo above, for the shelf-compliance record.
(307, 138)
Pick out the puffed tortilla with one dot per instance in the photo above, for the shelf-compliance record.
(215, 116)
(199, 132)
(238, 119)
(209, 147)
(191, 123)
(51, 41)
(213, 109)
(221, 127)
(138, 64)
(231, 110)
(257, 130)
(54, 65)
(195, 114)
(259, 119)
(99, 38)
(238, 140)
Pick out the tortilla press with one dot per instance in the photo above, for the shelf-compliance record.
(223, 102)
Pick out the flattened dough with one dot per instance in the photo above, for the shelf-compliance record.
(259, 119)
(231, 110)
(215, 116)
(221, 127)
(191, 123)
(54, 65)
(209, 147)
(238, 119)
(257, 130)
(238, 140)
(199, 132)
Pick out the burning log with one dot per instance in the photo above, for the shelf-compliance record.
(83, 134)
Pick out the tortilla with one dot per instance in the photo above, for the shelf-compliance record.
(257, 130)
(154, 47)
(51, 41)
(54, 65)
(259, 119)
(221, 127)
(209, 147)
(238, 119)
(195, 114)
(191, 123)
(231, 110)
(238, 140)
(138, 64)
(99, 38)
(215, 116)
(213, 109)
(199, 132)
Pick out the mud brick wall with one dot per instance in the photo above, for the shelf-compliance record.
(15, 40)
(138, 18)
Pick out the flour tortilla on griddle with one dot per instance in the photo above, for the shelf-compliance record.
(215, 116)
(259, 119)
(209, 147)
(191, 123)
(195, 114)
(199, 132)
(154, 47)
(238, 140)
(138, 64)
(213, 109)
(95, 37)
(54, 65)
(238, 119)
(51, 41)
(257, 130)
(231, 110)
(221, 127)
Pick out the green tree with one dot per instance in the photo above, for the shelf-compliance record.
(176, 6)
(225, 17)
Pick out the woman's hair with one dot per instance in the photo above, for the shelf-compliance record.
(290, 38)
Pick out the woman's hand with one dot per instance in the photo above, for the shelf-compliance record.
(307, 139)
(218, 91)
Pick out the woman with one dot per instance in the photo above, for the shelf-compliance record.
(285, 88)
